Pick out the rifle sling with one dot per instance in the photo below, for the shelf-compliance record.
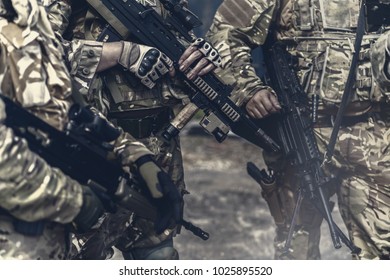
(347, 94)
(109, 17)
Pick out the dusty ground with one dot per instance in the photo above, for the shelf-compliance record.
(226, 202)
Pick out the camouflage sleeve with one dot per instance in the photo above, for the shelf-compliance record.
(380, 59)
(33, 74)
(30, 189)
(82, 56)
(128, 149)
(238, 27)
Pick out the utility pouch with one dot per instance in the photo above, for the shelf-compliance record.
(271, 196)
(305, 18)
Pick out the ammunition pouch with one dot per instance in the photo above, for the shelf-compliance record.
(142, 123)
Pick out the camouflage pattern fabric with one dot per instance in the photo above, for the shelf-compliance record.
(46, 79)
(320, 35)
(32, 74)
(122, 93)
(52, 244)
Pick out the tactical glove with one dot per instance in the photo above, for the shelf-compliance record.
(148, 64)
(209, 52)
(90, 212)
(166, 195)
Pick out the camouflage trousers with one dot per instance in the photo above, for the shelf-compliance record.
(362, 164)
(361, 172)
(52, 244)
(124, 230)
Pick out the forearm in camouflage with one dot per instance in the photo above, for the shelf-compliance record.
(235, 37)
(128, 149)
(30, 189)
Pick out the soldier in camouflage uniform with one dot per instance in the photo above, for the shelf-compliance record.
(141, 105)
(37, 202)
(320, 34)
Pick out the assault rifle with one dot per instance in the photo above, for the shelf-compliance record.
(82, 152)
(294, 131)
(130, 20)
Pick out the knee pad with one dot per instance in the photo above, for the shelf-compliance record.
(162, 251)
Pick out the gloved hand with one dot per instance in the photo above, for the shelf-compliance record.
(204, 53)
(167, 197)
(147, 63)
(90, 212)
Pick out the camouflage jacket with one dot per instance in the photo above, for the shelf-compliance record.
(83, 56)
(32, 74)
(122, 91)
(320, 33)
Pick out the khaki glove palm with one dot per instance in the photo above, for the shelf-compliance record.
(166, 196)
(147, 63)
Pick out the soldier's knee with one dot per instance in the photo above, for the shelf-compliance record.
(162, 251)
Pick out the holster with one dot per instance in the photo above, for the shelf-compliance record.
(280, 202)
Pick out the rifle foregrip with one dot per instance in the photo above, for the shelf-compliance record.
(181, 119)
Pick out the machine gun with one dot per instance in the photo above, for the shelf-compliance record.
(82, 152)
(130, 20)
(294, 129)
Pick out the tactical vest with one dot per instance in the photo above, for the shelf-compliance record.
(321, 34)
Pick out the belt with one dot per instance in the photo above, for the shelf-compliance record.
(142, 123)
(377, 111)
(346, 121)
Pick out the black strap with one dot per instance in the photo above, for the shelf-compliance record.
(349, 85)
